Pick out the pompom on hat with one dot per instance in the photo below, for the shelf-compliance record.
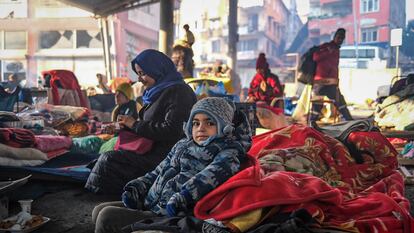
(261, 62)
(219, 109)
(126, 89)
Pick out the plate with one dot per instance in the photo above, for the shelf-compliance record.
(26, 230)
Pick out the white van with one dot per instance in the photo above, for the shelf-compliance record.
(369, 57)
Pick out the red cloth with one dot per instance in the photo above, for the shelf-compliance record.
(130, 141)
(364, 197)
(273, 88)
(67, 80)
(327, 61)
(17, 137)
(252, 189)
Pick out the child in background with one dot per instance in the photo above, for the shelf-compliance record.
(211, 153)
(125, 105)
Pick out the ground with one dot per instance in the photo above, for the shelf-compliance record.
(70, 206)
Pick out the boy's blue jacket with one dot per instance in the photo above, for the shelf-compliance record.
(193, 169)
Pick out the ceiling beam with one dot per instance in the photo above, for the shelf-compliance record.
(104, 8)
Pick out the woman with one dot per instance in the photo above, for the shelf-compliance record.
(167, 104)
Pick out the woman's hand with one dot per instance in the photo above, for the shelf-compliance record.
(126, 121)
(109, 129)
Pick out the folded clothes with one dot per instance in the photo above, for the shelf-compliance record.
(48, 143)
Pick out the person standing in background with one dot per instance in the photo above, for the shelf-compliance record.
(102, 88)
(327, 76)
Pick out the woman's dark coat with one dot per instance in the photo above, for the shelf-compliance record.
(167, 104)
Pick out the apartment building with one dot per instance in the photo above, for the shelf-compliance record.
(37, 35)
(263, 26)
(367, 22)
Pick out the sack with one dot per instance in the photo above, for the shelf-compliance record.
(129, 141)
(307, 66)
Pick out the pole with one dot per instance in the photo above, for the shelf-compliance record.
(355, 32)
(233, 36)
(396, 60)
(166, 35)
(103, 24)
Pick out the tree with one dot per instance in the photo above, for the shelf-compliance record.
(408, 40)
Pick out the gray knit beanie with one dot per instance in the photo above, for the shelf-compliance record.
(219, 109)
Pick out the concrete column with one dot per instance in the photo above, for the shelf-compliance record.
(233, 35)
(166, 34)
(103, 25)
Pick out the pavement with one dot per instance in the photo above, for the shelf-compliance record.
(69, 206)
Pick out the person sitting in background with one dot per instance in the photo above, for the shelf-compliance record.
(265, 86)
(125, 105)
(115, 82)
(211, 153)
(101, 88)
(13, 82)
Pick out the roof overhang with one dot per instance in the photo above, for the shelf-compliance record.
(104, 8)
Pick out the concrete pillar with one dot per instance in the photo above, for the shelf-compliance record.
(166, 34)
(233, 35)
(103, 25)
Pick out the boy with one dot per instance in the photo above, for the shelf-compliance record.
(210, 154)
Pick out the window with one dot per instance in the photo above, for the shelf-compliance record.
(88, 39)
(15, 40)
(366, 53)
(253, 22)
(147, 9)
(369, 35)
(56, 39)
(274, 50)
(269, 23)
(369, 6)
(247, 45)
(215, 46)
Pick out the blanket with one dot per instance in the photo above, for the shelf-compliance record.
(17, 137)
(299, 167)
(396, 111)
(10, 156)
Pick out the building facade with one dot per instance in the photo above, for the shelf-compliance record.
(263, 26)
(367, 22)
(38, 35)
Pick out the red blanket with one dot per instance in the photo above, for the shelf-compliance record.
(17, 137)
(67, 80)
(338, 192)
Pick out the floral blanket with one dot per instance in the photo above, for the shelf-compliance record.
(299, 167)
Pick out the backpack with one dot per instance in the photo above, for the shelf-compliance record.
(307, 66)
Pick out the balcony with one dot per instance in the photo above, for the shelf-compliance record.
(324, 2)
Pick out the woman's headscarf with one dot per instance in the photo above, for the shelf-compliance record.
(159, 67)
